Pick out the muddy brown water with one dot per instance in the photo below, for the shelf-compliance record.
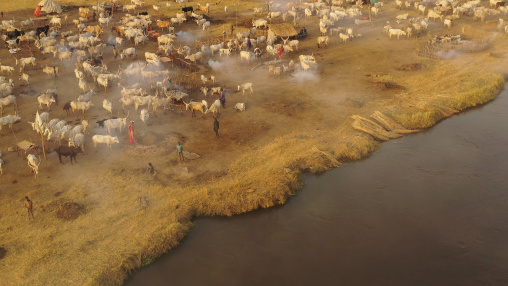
(427, 209)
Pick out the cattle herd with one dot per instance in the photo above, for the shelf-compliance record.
(76, 44)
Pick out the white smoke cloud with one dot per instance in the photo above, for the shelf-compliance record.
(447, 54)
(186, 37)
(216, 65)
(305, 76)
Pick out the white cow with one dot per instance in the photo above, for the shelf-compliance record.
(33, 163)
(144, 116)
(246, 55)
(26, 78)
(396, 32)
(119, 123)
(11, 99)
(46, 99)
(83, 106)
(8, 120)
(240, 107)
(215, 108)
(78, 141)
(104, 139)
(322, 40)
(106, 104)
(245, 86)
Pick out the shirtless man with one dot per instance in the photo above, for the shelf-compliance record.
(29, 207)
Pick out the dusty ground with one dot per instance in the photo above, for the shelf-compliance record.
(101, 215)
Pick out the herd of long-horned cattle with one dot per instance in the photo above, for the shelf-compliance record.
(78, 41)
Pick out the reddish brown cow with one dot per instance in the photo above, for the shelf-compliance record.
(68, 151)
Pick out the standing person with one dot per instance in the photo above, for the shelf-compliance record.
(93, 16)
(216, 127)
(55, 74)
(29, 207)
(131, 132)
(179, 148)
(222, 98)
(232, 29)
(2, 14)
(249, 44)
(144, 29)
(281, 50)
(115, 52)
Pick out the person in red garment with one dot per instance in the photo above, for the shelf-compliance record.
(131, 132)
(281, 50)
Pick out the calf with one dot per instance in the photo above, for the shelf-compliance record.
(68, 151)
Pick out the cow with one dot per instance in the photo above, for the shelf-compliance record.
(43, 29)
(26, 61)
(14, 34)
(114, 123)
(108, 106)
(215, 108)
(46, 99)
(187, 9)
(65, 151)
(33, 163)
(83, 106)
(193, 106)
(8, 100)
(244, 87)
(108, 140)
(144, 116)
(67, 107)
(240, 107)
(8, 120)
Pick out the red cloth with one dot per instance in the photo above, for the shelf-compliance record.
(281, 49)
(38, 11)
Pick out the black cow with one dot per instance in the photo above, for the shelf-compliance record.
(187, 9)
(67, 107)
(14, 34)
(40, 30)
(68, 151)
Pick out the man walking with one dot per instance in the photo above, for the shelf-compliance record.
(29, 207)
(115, 52)
(179, 148)
(216, 127)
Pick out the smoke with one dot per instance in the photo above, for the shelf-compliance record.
(216, 65)
(305, 76)
(186, 37)
(447, 54)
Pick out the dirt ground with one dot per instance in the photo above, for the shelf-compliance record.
(80, 209)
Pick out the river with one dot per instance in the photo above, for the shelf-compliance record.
(427, 209)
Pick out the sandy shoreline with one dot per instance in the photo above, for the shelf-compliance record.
(122, 218)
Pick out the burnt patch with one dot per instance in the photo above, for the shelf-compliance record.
(70, 211)
(387, 86)
(410, 67)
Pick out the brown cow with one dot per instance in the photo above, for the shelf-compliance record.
(72, 151)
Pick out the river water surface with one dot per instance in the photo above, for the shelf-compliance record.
(427, 209)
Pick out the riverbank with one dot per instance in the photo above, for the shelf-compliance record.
(105, 217)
